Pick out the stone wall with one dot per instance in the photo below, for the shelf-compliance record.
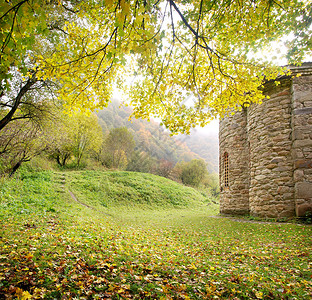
(302, 135)
(233, 140)
(271, 168)
(270, 151)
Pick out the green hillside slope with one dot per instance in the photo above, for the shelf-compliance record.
(131, 190)
(108, 192)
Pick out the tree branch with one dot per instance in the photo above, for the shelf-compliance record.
(16, 7)
(8, 117)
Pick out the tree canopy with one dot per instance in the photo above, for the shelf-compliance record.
(192, 60)
(193, 172)
(119, 146)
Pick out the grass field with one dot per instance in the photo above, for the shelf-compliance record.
(139, 237)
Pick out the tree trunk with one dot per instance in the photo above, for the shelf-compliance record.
(15, 168)
(66, 156)
(78, 159)
(8, 117)
(58, 160)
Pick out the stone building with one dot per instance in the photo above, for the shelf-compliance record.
(266, 151)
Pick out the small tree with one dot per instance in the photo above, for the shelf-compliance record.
(141, 162)
(119, 145)
(88, 135)
(164, 168)
(60, 138)
(194, 172)
(211, 181)
(20, 141)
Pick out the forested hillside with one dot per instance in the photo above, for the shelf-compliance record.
(106, 141)
(154, 140)
(206, 145)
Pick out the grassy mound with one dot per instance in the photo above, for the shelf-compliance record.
(131, 190)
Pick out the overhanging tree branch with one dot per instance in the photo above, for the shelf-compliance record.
(8, 117)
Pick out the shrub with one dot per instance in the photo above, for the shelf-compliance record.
(194, 172)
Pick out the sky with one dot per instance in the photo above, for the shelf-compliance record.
(212, 129)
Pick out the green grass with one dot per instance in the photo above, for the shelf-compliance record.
(108, 191)
(145, 238)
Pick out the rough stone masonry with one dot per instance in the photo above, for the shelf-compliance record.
(266, 151)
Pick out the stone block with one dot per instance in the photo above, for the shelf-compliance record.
(298, 105)
(282, 169)
(288, 211)
(277, 160)
(288, 196)
(303, 190)
(260, 177)
(298, 175)
(303, 210)
(303, 111)
(282, 189)
(271, 166)
(297, 135)
(303, 163)
(284, 93)
(284, 153)
(302, 143)
(297, 153)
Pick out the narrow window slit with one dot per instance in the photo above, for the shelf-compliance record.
(226, 169)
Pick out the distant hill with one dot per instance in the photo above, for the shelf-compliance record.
(153, 139)
(205, 145)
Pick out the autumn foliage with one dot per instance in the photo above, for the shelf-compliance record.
(53, 247)
(190, 61)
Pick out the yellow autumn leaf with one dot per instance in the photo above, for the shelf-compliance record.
(259, 295)
(26, 295)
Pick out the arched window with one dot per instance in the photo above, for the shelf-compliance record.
(226, 169)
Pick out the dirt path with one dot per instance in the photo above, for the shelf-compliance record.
(75, 199)
(72, 195)
(243, 220)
